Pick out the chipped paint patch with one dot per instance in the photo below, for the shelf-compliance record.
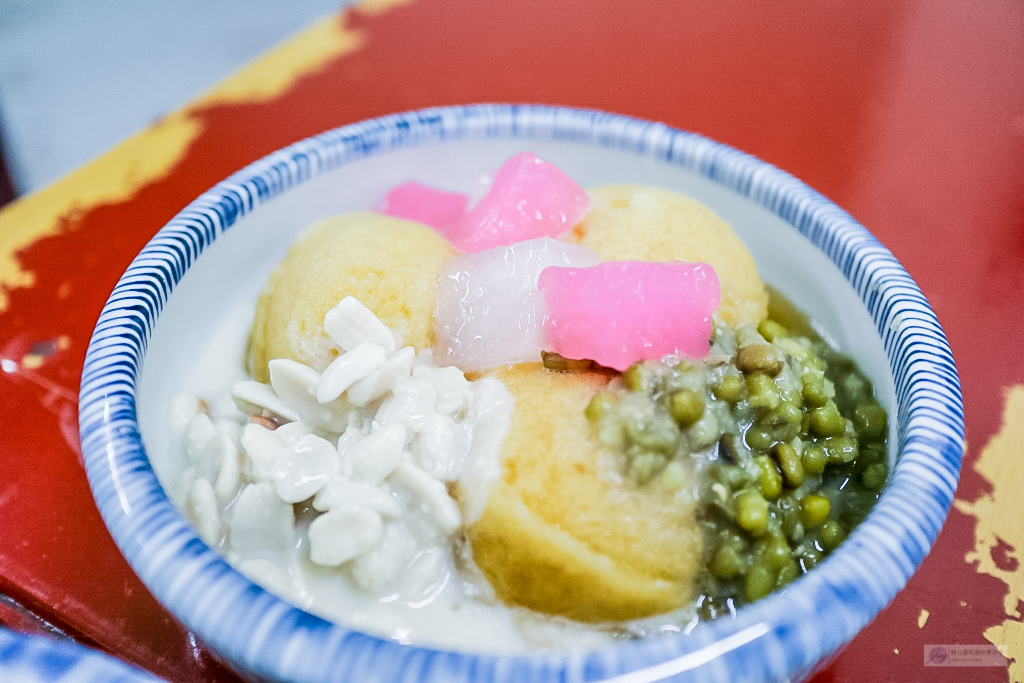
(379, 6)
(922, 618)
(1008, 637)
(275, 71)
(149, 155)
(113, 177)
(998, 534)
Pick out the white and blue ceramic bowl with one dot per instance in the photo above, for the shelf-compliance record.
(216, 253)
(28, 658)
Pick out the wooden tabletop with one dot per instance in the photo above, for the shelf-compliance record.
(908, 114)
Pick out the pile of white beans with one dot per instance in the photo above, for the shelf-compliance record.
(348, 469)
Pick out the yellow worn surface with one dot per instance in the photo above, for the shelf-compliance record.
(1009, 638)
(111, 178)
(630, 223)
(379, 6)
(150, 154)
(391, 265)
(561, 536)
(998, 517)
(273, 72)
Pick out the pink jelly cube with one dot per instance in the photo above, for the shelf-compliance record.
(619, 312)
(529, 198)
(416, 202)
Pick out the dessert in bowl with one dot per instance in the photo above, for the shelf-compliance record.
(186, 304)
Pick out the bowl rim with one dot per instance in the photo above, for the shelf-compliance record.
(777, 637)
(43, 657)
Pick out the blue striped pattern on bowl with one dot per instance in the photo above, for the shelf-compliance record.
(41, 659)
(780, 637)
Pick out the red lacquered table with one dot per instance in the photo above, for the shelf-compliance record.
(909, 114)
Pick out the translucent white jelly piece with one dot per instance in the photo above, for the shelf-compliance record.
(350, 324)
(489, 309)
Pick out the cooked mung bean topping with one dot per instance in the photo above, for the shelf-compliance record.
(777, 437)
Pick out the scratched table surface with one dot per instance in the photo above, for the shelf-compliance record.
(908, 114)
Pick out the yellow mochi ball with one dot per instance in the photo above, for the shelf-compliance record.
(391, 265)
(561, 533)
(633, 223)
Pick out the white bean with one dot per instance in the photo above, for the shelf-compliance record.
(336, 537)
(433, 494)
(303, 467)
(426, 575)
(261, 522)
(284, 581)
(340, 493)
(296, 384)
(261, 446)
(413, 399)
(378, 569)
(378, 383)
(183, 408)
(347, 369)
(212, 455)
(453, 389)
(436, 450)
(377, 455)
(204, 511)
(253, 397)
(350, 323)
(229, 473)
(198, 431)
